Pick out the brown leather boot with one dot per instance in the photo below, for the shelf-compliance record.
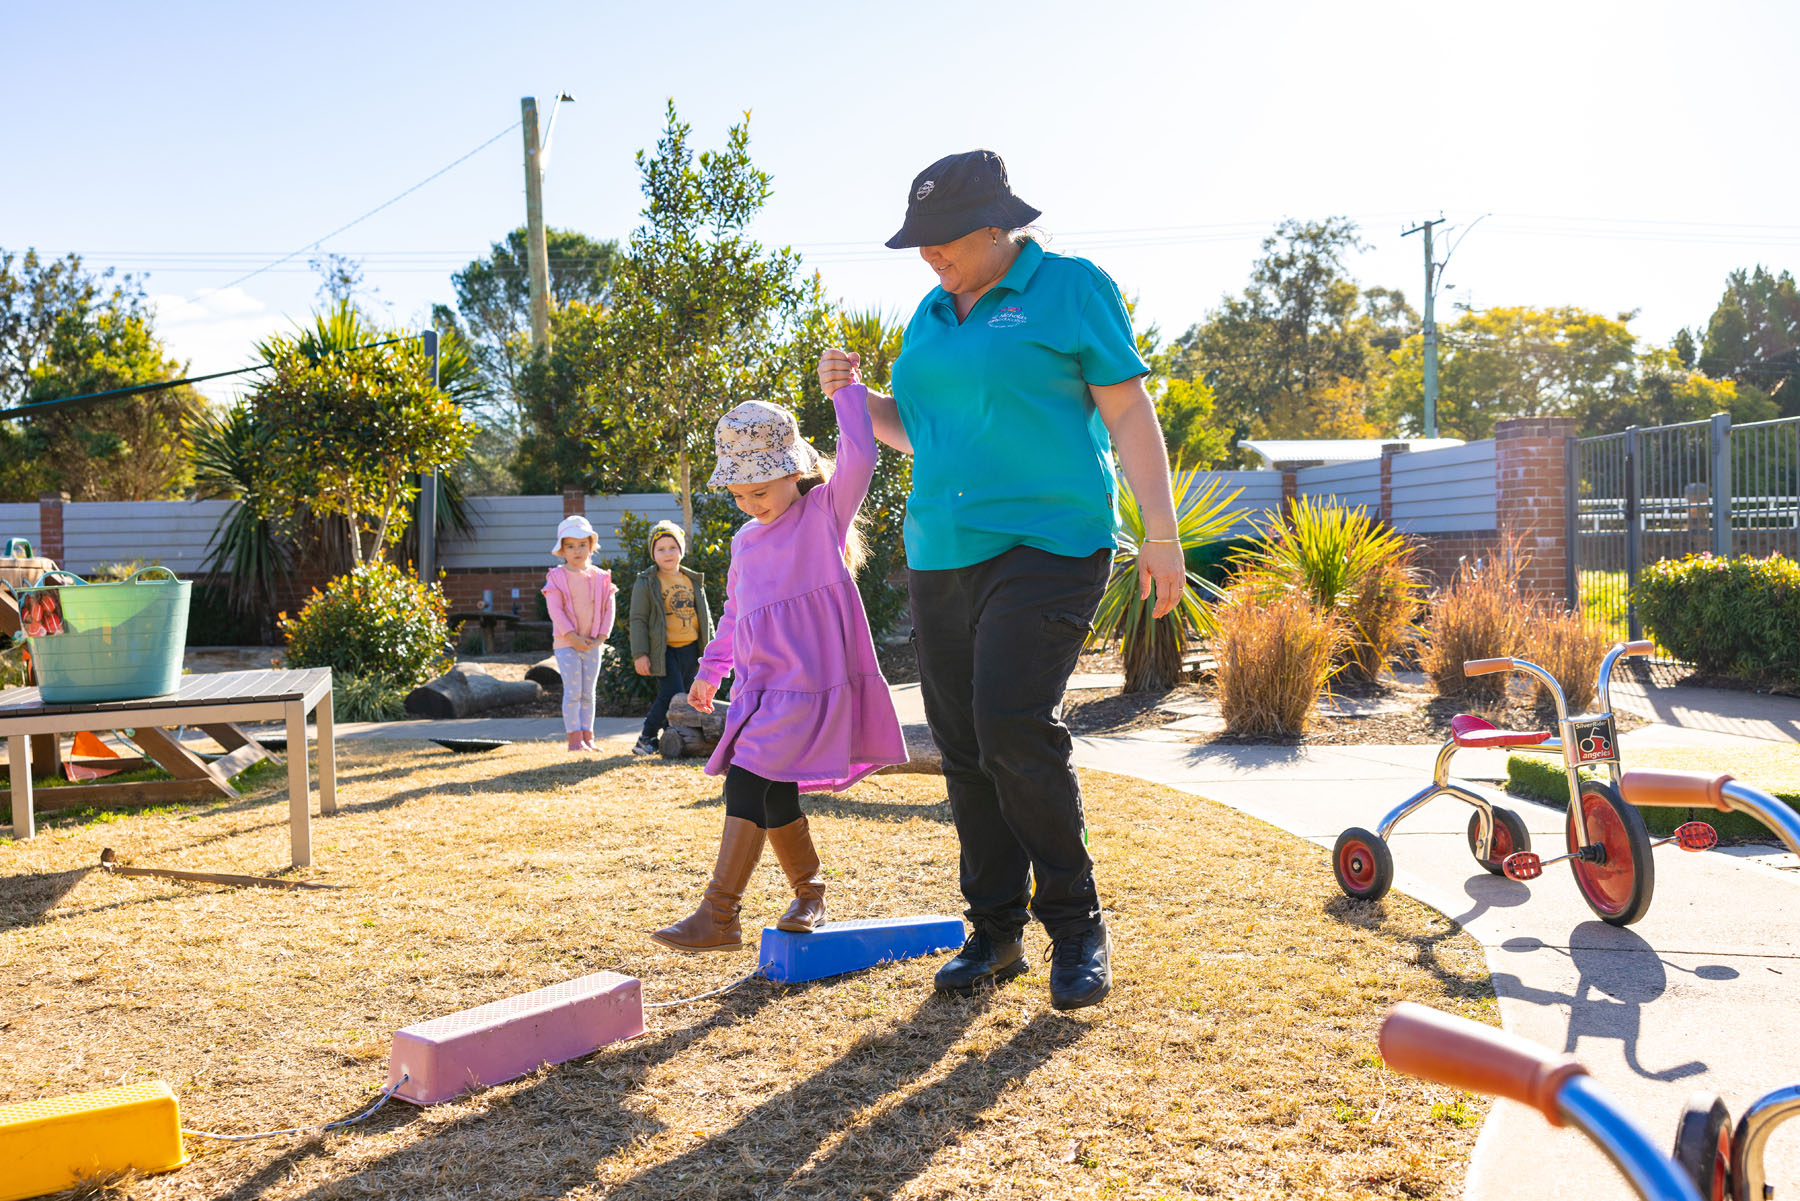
(714, 926)
(793, 846)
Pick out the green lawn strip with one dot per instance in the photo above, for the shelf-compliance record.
(1774, 769)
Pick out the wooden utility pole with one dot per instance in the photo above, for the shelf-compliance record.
(536, 245)
(1431, 343)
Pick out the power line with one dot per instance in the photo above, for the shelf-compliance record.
(313, 245)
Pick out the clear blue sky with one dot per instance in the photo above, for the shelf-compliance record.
(1631, 154)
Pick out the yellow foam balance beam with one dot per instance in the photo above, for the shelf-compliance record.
(49, 1145)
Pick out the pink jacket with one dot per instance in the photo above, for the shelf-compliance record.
(562, 609)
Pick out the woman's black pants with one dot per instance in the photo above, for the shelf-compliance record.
(997, 642)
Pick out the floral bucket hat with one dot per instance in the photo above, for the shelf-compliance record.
(758, 442)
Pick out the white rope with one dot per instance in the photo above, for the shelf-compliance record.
(720, 991)
(386, 1094)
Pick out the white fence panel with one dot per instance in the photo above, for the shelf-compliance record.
(1260, 492)
(508, 531)
(1443, 490)
(173, 533)
(21, 521)
(605, 511)
(1351, 485)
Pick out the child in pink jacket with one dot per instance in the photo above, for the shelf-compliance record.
(580, 599)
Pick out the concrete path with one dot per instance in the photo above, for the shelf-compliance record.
(1756, 715)
(1700, 994)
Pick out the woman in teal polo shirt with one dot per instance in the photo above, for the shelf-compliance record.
(1017, 380)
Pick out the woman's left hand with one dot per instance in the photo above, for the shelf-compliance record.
(1161, 563)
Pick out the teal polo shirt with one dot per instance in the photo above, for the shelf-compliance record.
(1008, 448)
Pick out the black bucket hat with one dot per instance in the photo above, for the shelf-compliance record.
(957, 195)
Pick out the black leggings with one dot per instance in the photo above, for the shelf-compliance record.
(761, 802)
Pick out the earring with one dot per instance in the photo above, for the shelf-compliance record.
(994, 239)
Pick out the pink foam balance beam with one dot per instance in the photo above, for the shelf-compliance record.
(446, 1057)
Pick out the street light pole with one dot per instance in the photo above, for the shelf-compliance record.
(428, 486)
(1431, 345)
(537, 247)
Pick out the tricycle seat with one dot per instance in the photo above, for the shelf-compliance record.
(1468, 730)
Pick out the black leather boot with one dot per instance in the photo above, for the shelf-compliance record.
(982, 960)
(1081, 968)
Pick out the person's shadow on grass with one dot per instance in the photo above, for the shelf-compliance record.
(806, 1140)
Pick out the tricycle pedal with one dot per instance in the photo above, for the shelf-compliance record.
(1696, 836)
(1522, 866)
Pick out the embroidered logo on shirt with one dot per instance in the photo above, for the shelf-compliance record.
(1010, 315)
(925, 189)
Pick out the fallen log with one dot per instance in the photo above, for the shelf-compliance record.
(922, 754)
(692, 734)
(462, 693)
(546, 673)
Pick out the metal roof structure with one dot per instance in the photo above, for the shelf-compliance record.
(1324, 451)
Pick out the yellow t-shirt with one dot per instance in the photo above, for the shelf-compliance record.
(681, 623)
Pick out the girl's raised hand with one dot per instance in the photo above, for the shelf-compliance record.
(838, 369)
(700, 696)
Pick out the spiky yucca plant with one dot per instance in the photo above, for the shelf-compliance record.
(1151, 647)
(1354, 569)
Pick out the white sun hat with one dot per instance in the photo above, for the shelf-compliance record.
(573, 527)
(758, 442)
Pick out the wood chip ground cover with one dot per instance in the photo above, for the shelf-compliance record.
(1235, 1058)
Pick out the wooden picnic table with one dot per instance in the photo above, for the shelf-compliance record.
(214, 703)
(490, 619)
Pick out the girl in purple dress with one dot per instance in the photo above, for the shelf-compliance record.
(810, 710)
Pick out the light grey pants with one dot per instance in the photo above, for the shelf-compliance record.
(580, 672)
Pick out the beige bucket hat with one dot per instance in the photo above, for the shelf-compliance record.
(758, 442)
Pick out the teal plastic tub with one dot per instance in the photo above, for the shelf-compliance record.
(106, 642)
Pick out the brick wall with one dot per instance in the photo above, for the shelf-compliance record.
(1531, 474)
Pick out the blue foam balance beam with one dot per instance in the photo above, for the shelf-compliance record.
(839, 947)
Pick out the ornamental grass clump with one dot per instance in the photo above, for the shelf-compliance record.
(1569, 646)
(1273, 658)
(1483, 614)
(1352, 568)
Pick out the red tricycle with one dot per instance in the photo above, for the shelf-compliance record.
(1609, 847)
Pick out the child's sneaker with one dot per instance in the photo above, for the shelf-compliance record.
(644, 746)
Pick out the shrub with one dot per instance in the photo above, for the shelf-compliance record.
(1349, 565)
(376, 622)
(214, 621)
(1732, 617)
(1273, 659)
(1215, 561)
(368, 698)
(1569, 646)
(1483, 614)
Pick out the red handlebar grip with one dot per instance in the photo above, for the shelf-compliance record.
(1486, 667)
(1642, 646)
(1675, 790)
(1450, 1050)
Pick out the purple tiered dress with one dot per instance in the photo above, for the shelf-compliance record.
(809, 703)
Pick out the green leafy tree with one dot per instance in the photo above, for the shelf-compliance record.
(132, 448)
(1663, 392)
(1753, 336)
(702, 314)
(1284, 356)
(1190, 425)
(493, 301)
(352, 425)
(66, 331)
(579, 425)
(1514, 362)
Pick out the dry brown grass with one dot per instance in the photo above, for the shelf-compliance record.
(1569, 646)
(1236, 1057)
(1380, 620)
(1483, 614)
(1274, 655)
